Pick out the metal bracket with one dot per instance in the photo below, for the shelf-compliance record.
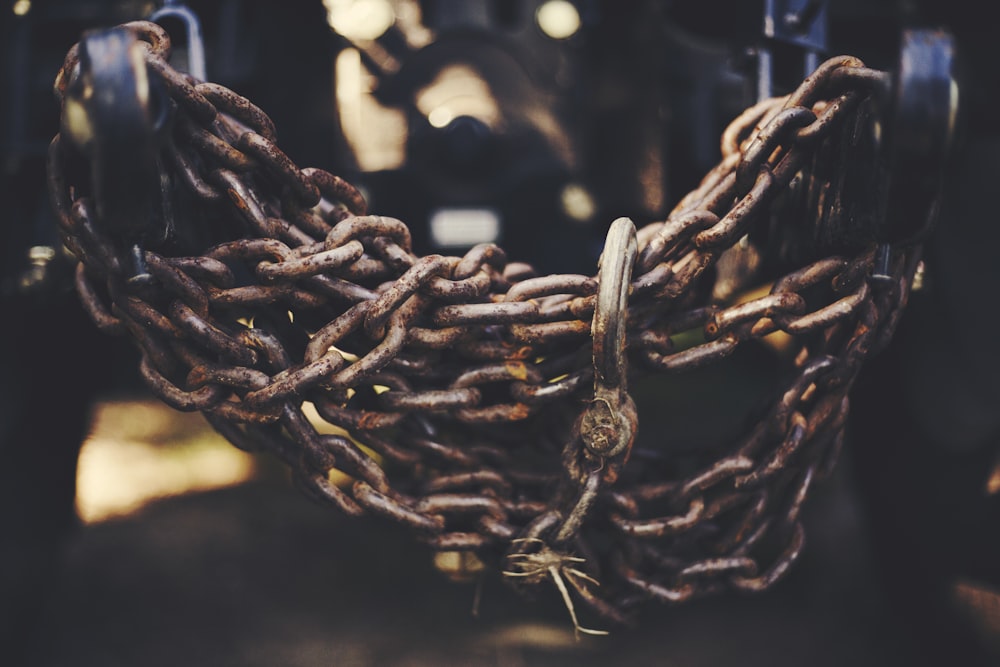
(801, 23)
(798, 22)
(114, 113)
(919, 134)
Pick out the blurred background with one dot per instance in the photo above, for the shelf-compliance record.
(532, 124)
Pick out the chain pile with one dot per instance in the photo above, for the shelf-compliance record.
(450, 389)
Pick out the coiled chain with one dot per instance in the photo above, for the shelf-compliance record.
(481, 405)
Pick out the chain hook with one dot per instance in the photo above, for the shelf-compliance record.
(196, 66)
(607, 427)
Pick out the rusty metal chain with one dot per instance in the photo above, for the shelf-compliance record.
(479, 404)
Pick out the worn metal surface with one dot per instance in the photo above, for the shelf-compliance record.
(472, 377)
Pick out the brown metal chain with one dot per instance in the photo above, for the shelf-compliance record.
(480, 404)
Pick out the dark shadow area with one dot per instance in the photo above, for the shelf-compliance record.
(256, 575)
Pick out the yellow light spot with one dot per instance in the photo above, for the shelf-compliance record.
(360, 19)
(440, 117)
(348, 356)
(142, 451)
(376, 133)
(137, 59)
(534, 636)
(577, 202)
(458, 90)
(323, 427)
(517, 370)
(993, 483)
(459, 566)
(77, 122)
(779, 341)
(919, 277)
(41, 254)
(22, 7)
(558, 19)
(979, 603)
(339, 478)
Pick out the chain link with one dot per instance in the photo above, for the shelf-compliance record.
(464, 377)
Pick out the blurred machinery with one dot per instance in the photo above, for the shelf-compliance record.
(533, 123)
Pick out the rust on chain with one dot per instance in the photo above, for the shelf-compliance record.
(486, 407)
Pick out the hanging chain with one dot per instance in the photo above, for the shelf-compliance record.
(481, 405)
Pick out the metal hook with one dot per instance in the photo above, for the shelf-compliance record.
(192, 27)
(604, 428)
